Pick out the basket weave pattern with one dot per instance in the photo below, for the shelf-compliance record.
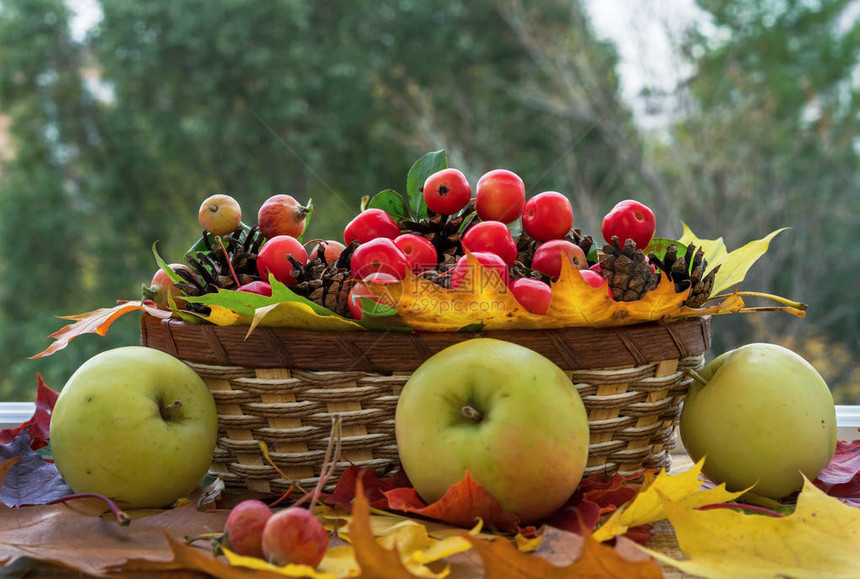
(282, 387)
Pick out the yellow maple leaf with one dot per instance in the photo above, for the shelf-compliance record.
(647, 506)
(484, 300)
(820, 539)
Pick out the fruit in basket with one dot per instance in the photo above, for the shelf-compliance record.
(446, 192)
(533, 294)
(294, 536)
(134, 424)
(282, 215)
(370, 224)
(629, 219)
(492, 237)
(219, 214)
(360, 290)
(379, 255)
(500, 196)
(549, 255)
(259, 287)
(463, 270)
(274, 258)
(502, 412)
(420, 253)
(331, 250)
(161, 286)
(243, 530)
(547, 215)
(764, 416)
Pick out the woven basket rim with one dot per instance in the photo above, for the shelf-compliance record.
(575, 348)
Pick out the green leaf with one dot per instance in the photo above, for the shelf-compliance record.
(659, 246)
(165, 267)
(392, 203)
(418, 173)
(516, 228)
(310, 213)
(246, 303)
(375, 309)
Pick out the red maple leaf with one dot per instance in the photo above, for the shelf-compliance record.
(841, 478)
(461, 506)
(39, 424)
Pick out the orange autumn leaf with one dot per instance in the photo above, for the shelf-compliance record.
(462, 505)
(504, 561)
(95, 322)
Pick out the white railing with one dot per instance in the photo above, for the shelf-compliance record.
(847, 417)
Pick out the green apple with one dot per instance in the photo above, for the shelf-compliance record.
(134, 424)
(762, 417)
(502, 412)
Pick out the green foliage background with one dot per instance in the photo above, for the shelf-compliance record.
(115, 140)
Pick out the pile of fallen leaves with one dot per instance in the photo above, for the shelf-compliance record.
(619, 526)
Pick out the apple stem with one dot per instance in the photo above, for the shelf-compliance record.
(471, 413)
(229, 261)
(121, 517)
(697, 377)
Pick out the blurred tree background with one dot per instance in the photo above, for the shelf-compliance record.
(116, 138)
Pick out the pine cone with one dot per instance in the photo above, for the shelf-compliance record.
(627, 271)
(443, 231)
(326, 284)
(684, 277)
(212, 267)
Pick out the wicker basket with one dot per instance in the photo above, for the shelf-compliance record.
(282, 386)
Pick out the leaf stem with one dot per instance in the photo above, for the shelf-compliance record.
(779, 299)
(751, 508)
(121, 517)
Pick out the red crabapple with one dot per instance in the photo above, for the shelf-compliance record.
(489, 261)
(446, 192)
(533, 294)
(630, 219)
(420, 253)
(493, 237)
(282, 215)
(243, 530)
(370, 224)
(294, 536)
(547, 215)
(548, 256)
(499, 196)
(360, 290)
(378, 254)
(272, 258)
